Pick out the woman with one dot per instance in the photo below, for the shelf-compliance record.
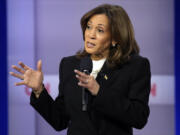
(117, 89)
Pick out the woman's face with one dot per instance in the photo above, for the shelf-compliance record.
(97, 36)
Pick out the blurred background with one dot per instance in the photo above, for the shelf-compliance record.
(50, 30)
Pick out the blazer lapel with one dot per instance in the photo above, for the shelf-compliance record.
(104, 75)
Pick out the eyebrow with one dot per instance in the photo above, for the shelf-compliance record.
(98, 24)
(101, 25)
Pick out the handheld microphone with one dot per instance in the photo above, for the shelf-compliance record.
(86, 67)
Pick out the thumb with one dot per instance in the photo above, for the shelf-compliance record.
(39, 65)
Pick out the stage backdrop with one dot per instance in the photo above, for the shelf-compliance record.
(50, 30)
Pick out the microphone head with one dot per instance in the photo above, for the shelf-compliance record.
(86, 64)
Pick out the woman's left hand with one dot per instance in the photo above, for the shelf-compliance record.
(87, 81)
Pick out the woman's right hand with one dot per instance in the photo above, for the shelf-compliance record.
(31, 78)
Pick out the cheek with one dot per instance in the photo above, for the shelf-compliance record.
(85, 35)
(104, 42)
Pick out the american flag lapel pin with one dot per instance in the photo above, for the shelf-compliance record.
(105, 77)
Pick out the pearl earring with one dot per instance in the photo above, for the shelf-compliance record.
(113, 45)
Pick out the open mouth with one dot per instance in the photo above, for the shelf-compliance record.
(90, 45)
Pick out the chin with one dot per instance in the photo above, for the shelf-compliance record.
(90, 51)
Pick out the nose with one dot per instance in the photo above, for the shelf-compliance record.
(92, 34)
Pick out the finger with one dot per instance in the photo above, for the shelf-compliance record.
(81, 73)
(20, 83)
(18, 69)
(39, 65)
(82, 84)
(81, 79)
(17, 75)
(23, 66)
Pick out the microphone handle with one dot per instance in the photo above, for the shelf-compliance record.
(84, 99)
(84, 96)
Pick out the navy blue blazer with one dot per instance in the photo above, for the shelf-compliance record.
(121, 103)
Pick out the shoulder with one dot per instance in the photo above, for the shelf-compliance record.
(68, 64)
(139, 66)
(70, 60)
(138, 60)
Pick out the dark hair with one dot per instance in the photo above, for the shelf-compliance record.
(122, 33)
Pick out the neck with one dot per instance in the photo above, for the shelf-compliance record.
(98, 57)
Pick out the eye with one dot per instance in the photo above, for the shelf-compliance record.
(100, 30)
(88, 27)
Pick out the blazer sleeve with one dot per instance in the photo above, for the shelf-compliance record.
(132, 109)
(54, 112)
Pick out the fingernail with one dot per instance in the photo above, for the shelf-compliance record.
(75, 70)
(20, 62)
